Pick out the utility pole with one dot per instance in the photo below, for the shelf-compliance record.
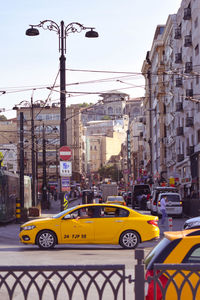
(33, 154)
(44, 185)
(21, 191)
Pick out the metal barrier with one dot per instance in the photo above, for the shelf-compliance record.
(63, 282)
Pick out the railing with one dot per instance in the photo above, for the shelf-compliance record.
(181, 279)
(63, 282)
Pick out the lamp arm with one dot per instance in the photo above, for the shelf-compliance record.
(48, 25)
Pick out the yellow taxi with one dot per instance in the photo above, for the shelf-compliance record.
(90, 224)
(118, 200)
(177, 247)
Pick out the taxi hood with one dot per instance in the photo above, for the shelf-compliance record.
(36, 221)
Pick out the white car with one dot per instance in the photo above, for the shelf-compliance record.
(173, 204)
(152, 203)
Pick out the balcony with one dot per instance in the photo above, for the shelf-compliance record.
(179, 131)
(187, 13)
(180, 157)
(179, 82)
(177, 34)
(188, 67)
(178, 58)
(190, 150)
(189, 122)
(188, 93)
(179, 106)
(188, 40)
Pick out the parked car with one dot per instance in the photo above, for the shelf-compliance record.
(152, 202)
(138, 190)
(192, 223)
(175, 248)
(75, 225)
(174, 204)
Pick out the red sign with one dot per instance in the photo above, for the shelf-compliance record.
(65, 153)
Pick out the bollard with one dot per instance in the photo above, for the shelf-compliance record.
(18, 210)
(170, 223)
(139, 275)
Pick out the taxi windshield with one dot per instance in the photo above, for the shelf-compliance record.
(110, 199)
(63, 212)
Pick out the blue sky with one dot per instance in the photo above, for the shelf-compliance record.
(126, 29)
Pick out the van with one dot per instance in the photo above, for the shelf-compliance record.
(173, 204)
(139, 190)
(152, 203)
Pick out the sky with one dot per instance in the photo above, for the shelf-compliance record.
(113, 61)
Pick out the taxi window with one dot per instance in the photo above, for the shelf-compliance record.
(193, 255)
(111, 212)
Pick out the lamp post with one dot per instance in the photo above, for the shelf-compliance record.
(62, 31)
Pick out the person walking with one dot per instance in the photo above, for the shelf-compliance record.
(163, 209)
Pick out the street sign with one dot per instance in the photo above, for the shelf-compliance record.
(65, 182)
(65, 168)
(65, 153)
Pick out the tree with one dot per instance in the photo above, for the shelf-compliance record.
(3, 118)
(110, 171)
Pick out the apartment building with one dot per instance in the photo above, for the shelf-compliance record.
(172, 66)
(8, 144)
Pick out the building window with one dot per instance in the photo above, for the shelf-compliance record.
(196, 22)
(197, 50)
(197, 79)
(198, 136)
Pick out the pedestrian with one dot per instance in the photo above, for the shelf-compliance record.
(163, 209)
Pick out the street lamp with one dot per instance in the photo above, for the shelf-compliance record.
(62, 31)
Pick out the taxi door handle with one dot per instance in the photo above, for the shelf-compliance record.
(88, 221)
(119, 221)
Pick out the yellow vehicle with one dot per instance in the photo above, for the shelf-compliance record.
(90, 224)
(176, 247)
(118, 200)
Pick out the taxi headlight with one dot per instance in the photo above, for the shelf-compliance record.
(30, 227)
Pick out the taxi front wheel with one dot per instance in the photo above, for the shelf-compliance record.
(46, 239)
(129, 239)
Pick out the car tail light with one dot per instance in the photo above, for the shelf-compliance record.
(158, 203)
(124, 203)
(153, 222)
(154, 202)
(149, 286)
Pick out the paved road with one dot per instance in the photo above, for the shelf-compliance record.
(15, 253)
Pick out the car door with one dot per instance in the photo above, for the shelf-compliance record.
(108, 226)
(75, 229)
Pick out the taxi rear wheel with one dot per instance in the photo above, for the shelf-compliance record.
(46, 239)
(129, 239)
